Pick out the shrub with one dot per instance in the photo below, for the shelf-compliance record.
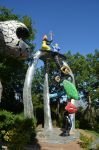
(15, 130)
(85, 141)
(97, 147)
(6, 123)
(6, 120)
(77, 123)
(97, 127)
(60, 121)
(23, 133)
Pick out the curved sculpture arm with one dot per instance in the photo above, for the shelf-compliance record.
(27, 96)
(70, 73)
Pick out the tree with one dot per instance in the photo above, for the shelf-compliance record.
(85, 71)
(7, 14)
(10, 68)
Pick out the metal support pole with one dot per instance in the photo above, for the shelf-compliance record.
(47, 111)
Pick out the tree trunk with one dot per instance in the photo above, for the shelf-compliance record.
(58, 106)
(1, 89)
(92, 113)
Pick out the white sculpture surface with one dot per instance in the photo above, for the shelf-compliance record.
(12, 36)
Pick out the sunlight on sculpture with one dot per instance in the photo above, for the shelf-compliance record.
(12, 36)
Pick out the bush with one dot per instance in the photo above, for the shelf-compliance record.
(15, 130)
(23, 133)
(85, 141)
(77, 123)
(97, 147)
(97, 127)
(6, 120)
(6, 123)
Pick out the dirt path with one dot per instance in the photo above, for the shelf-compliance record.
(70, 146)
(45, 146)
(53, 141)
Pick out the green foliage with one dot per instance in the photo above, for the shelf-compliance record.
(82, 123)
(6, 120)
(12, 82)
(28, 22)
(6, 14)
(37, 86)
(97, 127)
(77, 124)
(23, 133)
(57, 118)
(85, 141)
(97, 147)
(60, 121)
(10, 68)
(38, 108)
(37, 95)
(92, 132)
(16, 131)
(17, 141)
(85, 69)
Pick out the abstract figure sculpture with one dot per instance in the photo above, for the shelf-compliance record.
(44, 55)
(12, 34)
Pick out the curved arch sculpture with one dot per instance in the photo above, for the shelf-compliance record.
(44, 55)
(12, 35)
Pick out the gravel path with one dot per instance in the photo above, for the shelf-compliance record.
(54, 136)
(46, 146)
(53, 141)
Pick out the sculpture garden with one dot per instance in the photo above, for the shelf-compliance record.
(47, 97)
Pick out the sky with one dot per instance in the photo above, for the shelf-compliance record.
(74, 23)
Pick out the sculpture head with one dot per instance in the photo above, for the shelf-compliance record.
(45, 38)
(12, 39)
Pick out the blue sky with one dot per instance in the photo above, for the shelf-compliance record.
(75, 23)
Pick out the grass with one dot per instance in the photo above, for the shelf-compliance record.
(93, 133)
(87, 137)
